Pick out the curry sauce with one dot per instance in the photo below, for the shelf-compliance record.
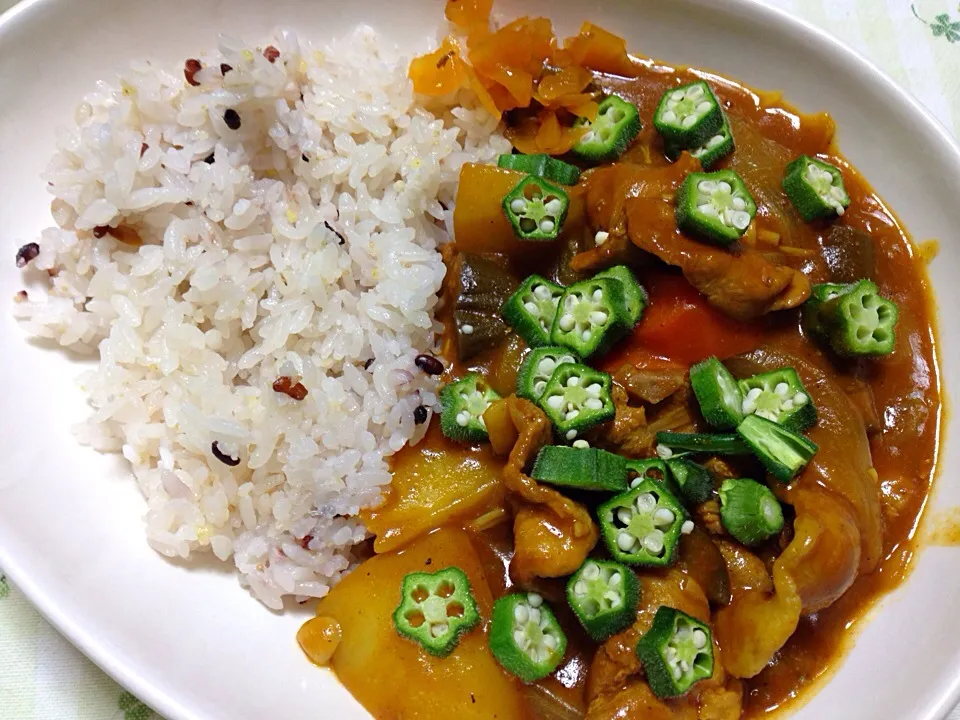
(895, 401)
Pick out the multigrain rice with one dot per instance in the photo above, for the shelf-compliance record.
(280, 219)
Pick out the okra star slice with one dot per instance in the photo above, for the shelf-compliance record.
(749, 511)
(604, 596)
(815, 188)
(536, 208)
(591, 316)
(688, 116)
(436, 609)
(464, 402)
(616, 126)
(580, 468)
(634, 295)
(531, 310)
(810, 312)
(525, 637)
(576, 398)
(651, 469)
(715, 206)
(715, 149)
(782, 452)
(779, 396)
(860, 322)
(718, 394)
(643, 526)
(537, 369)
(676, 652)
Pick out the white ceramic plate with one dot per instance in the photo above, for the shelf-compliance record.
(188, 640)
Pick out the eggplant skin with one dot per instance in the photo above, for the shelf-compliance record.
(483, 285)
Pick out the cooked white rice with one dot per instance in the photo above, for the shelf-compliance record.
(239, 282)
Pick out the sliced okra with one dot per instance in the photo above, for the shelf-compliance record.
(576, 398)
(531, 310)
(712, 443)
(782, 452)
(436, 609)
(718, 394)
(525, 637)
(779, 396)
(650, 469)
(541, 165)
(609, 134)
(537, 369)
(536, 208)
(749, 511)
(694, 482)
(464, 402)
(714, 149)
(676, 652)
(591, 316)
(604, 595)
(643, 525)
(581, 468)
(859, 322)
(688, 116)
(815, 188)
(810, 312)
(715, 206)
(634, 295)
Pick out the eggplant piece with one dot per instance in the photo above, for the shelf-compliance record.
(483, 285)
(850, 254)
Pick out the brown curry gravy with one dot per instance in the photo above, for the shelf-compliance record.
(905, 385)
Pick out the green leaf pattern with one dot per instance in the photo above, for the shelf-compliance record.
(942, 26)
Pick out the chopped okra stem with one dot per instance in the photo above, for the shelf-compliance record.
(676, 652)
(810, 312)
(543, 166)
(532, 308)
(536, 208)
(525, 637)
(604, 596)
(537, 369)
(859, 322)
(436, 609)
(576, 398)
(688, 116)
(634, 295)
(715, 206)
(782, 452)
(464, 402)
(694, 482)
(779, 396)
(609, 134)
(718, 394)
(581, 468)
(652, 469)
(713, 443)
(749, 511)
(815, 188)
(591, 316)
(643, 526)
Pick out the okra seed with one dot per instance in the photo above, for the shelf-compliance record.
(587, 335)
(467, 329)
(699, 639)
(594, 389)
(581, 444)
(592, 571)
(625, 541)
(687, 527)
(714, 141)
(598, 317)
(653, 543)
(554, 206)
(613, 597)
(739, 203)
(694, 91)
(597, 295)
(677, 673)
(704, 106)
(741, 220)
(547, 366)
(663, 516)
(531, 307)
(689, 121)
(547, 225)
(555, 402)
(664, 453)
(534, 600)
(781, 389)
(601, 237)
(550, 641)
(707, 187)
(593, 403)
(724, 187)
(572, 415)
(787, 405)
(646, 502)
(669, 117)
(800, 399)
(541, 291)
(463, 418)
(615, 579)
(571, 434)
(708, 209)
(624, 515)
(677, 96)
(539, 387)
(573, 381)
(521, 614)
(534, 615)
(518, 205)
(589, 137)
(754, 393)
(567, 323)
(520, 639)
(438, 629)
(580, 588)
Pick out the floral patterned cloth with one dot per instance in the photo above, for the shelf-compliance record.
(43, 677)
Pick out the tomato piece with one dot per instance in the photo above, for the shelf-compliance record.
(680, 326)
